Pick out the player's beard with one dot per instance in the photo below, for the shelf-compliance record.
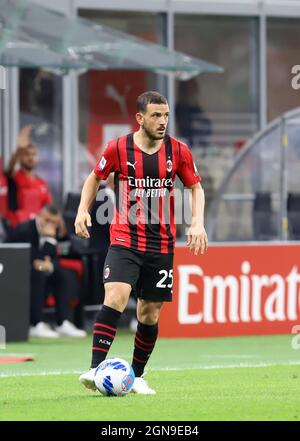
(151, 135)
(28, 167)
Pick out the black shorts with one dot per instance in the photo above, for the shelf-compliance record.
(149, 274)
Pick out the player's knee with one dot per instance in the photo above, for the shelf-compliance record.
(148, 313)
(116, 298)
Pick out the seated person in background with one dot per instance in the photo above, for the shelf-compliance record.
(101, 217)
(46, 274)
(28, 193)
(193, 123)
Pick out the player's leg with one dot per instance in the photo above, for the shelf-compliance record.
(121, 271)
(105, 327)
(146, 335)
(106, 322)
(156, 284)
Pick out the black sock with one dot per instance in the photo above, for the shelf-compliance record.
(144, 343)
(105, 328)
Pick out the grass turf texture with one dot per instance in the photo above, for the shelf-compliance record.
(241, 378)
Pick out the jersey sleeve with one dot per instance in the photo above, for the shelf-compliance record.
(108, 162)
(187, 170)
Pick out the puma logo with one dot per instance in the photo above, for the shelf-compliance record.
(112, 92)
(132, 165)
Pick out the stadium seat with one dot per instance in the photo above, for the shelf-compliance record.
(93, 251)
(263, 217)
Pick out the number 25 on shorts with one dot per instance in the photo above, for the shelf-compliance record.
(162, 283)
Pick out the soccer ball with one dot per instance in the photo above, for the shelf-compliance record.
(114, 377)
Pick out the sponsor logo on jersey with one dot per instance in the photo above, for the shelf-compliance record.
(150, 182)
(102, 163)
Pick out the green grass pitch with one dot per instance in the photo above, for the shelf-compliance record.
(241, 378)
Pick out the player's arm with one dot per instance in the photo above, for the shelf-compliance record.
(196, 236)
(24, 140)
(88, 194)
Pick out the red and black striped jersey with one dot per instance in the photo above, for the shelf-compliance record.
(144, 188)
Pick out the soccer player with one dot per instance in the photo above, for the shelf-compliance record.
(143, 231)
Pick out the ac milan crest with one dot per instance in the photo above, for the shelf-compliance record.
(169, 166)
(106, 272)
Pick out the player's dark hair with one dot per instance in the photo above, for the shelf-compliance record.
(51, 208)
(149, 97)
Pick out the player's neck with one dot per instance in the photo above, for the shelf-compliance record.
(29, 173)
(145, 143)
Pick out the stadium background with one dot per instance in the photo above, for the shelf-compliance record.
(246, 146)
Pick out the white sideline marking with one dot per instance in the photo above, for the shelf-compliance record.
(182, 368)
(228, 366)
(14, 354)
(38, 374)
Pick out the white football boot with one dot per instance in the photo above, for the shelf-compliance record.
(42, 330)
(140, 386)
(67, 329)
(87, 379)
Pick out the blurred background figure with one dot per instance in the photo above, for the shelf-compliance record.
(28, 193)
(46, 274)
(101, 215)
(192, 122)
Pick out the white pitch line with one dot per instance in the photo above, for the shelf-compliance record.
(15, 354)
(229, 366)
(182, 368)
(38, 374)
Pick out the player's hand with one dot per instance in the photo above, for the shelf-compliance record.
(82, 221)
(24, 137)
(197, 239)
(46, 266)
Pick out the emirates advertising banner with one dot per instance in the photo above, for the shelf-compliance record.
(234, 290)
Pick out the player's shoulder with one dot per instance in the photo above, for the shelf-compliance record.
(40, 181)
(117, 142)
(18, 175)
(178, 145)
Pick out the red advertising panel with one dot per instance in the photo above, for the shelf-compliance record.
(234, 290)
